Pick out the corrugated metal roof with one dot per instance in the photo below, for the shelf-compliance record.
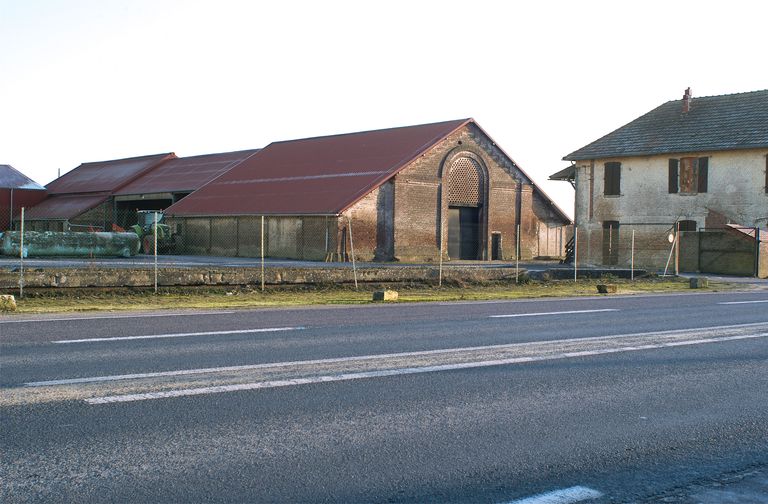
(105, 176)
(65, 206)
(11, 178)
(185, 174)
(323, 175)
(713, 123)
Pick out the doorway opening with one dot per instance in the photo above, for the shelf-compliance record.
(463, 232)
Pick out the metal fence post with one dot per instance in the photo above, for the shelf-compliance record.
(440, 270)
(154, 232)
(517, 255)
(632, 265)
(352, 246)
(21, 256)
(757, 252)
(576, 251)
(262, 253)
(677, 248)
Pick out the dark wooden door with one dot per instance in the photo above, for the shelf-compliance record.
(463, 232)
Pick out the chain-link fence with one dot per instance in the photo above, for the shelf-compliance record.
(264, 249)
(672, 248)
(268, 246)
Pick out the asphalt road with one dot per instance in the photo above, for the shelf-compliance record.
(612, 399)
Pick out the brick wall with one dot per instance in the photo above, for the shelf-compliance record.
(406, 219)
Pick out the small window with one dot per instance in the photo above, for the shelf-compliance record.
(766, 174)
(686, 225)
(612, 182)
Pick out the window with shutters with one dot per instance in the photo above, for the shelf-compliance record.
(612, 181)
(689, 175)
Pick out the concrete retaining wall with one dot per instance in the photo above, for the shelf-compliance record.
(167, 277)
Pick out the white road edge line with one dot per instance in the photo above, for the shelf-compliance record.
(357, 358)
(401, 371)
(181, 335)
(743, 302)
(541, 314)
(108, 317)
(563, 496)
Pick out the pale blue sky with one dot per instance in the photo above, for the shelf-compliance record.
(89, 80)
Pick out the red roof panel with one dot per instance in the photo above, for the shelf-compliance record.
(65, 206)
(323, 175)
(185, 174)
(105, 175)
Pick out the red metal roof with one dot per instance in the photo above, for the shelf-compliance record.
(65, 206)
(105, 175)
(11, 178)
(185, 174)
(323, 175)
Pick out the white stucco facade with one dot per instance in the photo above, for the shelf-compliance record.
(735, 194)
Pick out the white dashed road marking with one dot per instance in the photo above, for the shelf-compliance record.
(564, 496)
(744, 302)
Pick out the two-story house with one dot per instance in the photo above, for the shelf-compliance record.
(688, 165)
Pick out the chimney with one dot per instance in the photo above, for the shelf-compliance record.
(687, 101)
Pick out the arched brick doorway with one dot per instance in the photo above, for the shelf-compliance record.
(466, 202)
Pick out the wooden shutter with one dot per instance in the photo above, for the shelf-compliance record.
(612, 180)
(673, 169)
(703, 175)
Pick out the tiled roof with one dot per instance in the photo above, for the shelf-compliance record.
(11, 178)
(713, 123)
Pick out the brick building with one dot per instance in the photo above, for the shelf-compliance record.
(402, 194)
(393, 194)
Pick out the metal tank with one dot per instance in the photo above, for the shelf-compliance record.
(72, 244)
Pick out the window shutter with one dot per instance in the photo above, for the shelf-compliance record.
(612, 180)
(703, 177)
(673, 167)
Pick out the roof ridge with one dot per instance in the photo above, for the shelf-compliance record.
(336, 135)
(164, 154)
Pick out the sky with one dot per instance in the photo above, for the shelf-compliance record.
(92, 80)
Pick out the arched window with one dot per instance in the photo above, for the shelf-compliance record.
(465, 183)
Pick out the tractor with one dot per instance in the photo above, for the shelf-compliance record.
(145, 229)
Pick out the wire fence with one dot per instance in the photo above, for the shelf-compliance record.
(140, 239)
(145, 238)
(672, 248)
